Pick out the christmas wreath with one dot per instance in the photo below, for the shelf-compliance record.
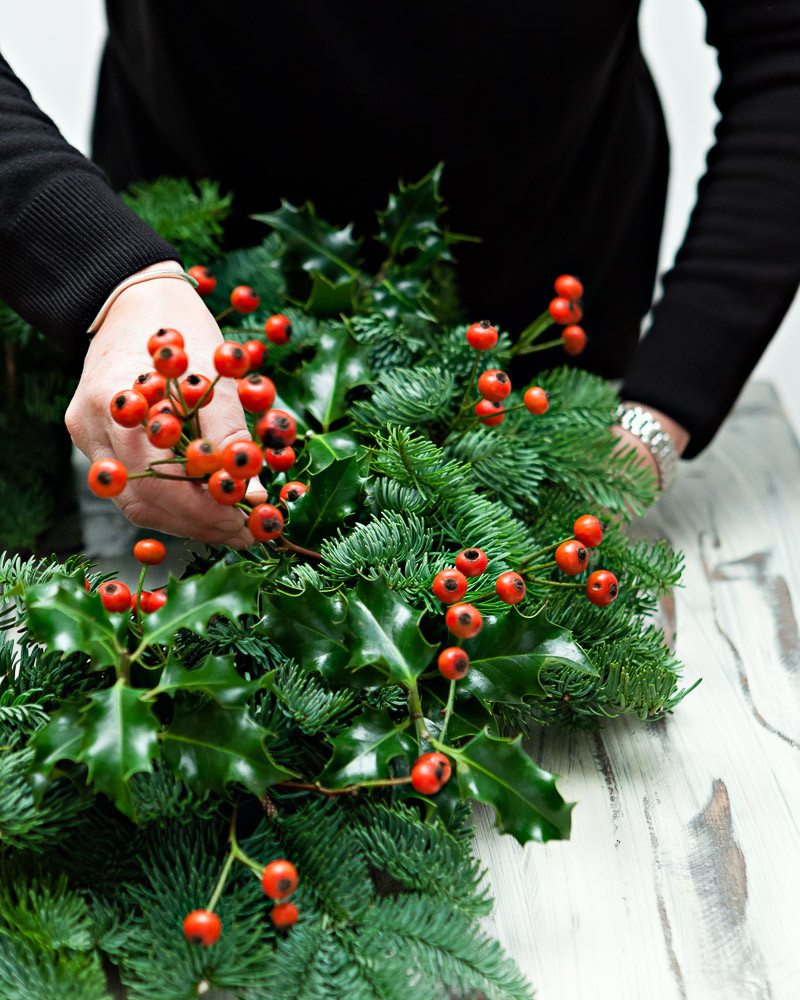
(259, 779)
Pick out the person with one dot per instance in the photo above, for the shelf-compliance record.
(556, 156)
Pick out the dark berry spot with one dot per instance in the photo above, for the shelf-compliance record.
(143, 378)
(282, 423)
(206, 447)
(255, 379)
(502, 377)
(287, 329)
(162, 332)
(464, 618)
(241, 458)
(104, 478)
(165, 352)
(271, 439)
(111, 588)
(207, 273)
(613, 590)
(472, 555)
(519, 586)
(270, 524)
(451, 584)
(119, 402)
(194, 379)
(277, 452)
(439, 771)
(292, 495)
(548, 397)
(582, 554)
(596, 585)
(155, 427)
(196, 939)
(238, 353)
(460, 666)
(484, 323)
(228, 486)
(284, 884)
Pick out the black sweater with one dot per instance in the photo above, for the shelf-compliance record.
(555, 150)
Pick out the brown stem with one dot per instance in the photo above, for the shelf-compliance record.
(297, 549)
(315, 786)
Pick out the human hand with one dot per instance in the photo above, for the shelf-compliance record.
(678, 434)
(117, 355)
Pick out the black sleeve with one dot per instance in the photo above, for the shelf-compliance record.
(738, 269)
(65, 238)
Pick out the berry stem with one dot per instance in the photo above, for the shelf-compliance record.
(532, 331)
(226, 868)
(139, 592)
(465, 397)
(448, 710)
(415, 710)
(539, 552)
(166, 461)
(542, 347)
(224, 313)
(298, 550)
(553, 583)
(193, 412)
(163, 475)
(315, 786)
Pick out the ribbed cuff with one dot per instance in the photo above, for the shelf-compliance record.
(67, 250)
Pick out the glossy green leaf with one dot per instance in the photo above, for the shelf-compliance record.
(509, 652)
(291, 400)
(309, 627)
(468, 717)
(120, 739)
(226, 589)
(385, 632)
(329, 299)
(211, 747)
(63, 616)
(339, 364)
(412, 213)
(331, 447)
(59, 740)
(312, 244)
(400, 295)
(500, 773)
(332, 496)
(215, 676)
(363, 752)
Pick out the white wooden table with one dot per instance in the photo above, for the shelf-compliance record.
(682, 877)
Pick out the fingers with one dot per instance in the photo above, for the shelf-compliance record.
(223, 422)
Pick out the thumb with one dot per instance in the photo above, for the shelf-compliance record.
(223, 422)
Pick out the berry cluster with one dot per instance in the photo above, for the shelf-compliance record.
(165, 404)
(116, 596)
(566, 309)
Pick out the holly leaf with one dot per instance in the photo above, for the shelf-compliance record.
(468, 717)
(215, 676)
(290, 399)
(393, 298)
(339, 364)
(329, 299)
(497, 771)
(412, 213)
(313, 245)
(63, 617)
(365, 750)
(59, 740)
(120, 739)
(385, 632)
(326, 448)
(211, 747)
(508, 654)
(225, 589)
(332, 496)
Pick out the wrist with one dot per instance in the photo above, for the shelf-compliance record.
(656, 436)
(168, 271)
(678, 434)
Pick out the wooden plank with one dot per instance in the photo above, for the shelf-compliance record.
(681, 879)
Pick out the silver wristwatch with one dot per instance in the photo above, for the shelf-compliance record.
(643, 425)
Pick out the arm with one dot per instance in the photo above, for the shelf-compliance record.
(739, 267)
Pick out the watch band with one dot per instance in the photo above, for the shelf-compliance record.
(643, 425)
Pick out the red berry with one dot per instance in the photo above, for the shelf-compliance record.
(225, 489)
(154, 601)
(589, 530)
(464, 620)
(453, 663)
(568, 287)
(202, 458)
(571, 557)
(490, 413)
(536, 400)
(243, 459)
(564, 311)
(276, 429)
(144, 597)
(255, 351)
(107, 477)
(430, 772)
(256, 393)
(510, 587)
(194, 388)
(280, 459)
(152, 386)
(482, 336)
(494, 385)
(279, 879)
(284, 915)
(159, 409)
(149, 551)
(129, 408)
(231, 359)
(472, 562)
(202, 927)
(165, 337)
(206, 282)
(449, 586)
(114, 595)
(87, 584)
(171, 362)
(165, 431)
(602, 588)
(265, 522)
(244, 299)
(292, 491)
(574, 339)
(278, 329)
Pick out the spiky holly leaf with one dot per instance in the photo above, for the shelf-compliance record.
(468, 717)
(215, 676)
(385, 632)
(497, 771)
(331, 498)
(313, 245)
(211, 748)
(329, 299)
(509, 652)
(64, 617)
(412, 213)
(59, 740)
(364, 751)
(339, 364)
(326, 448)
(226, 589)
(397, 296)
(120, 739)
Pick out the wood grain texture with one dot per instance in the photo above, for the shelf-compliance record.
(682, 878)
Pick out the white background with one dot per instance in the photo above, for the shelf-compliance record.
(55, 48)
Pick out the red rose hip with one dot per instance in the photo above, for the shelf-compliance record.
(165, 337)
(206, 282)
(242, 459)
(490, 413)
(449, 586)
(265, 522)
(453, 663)
(572, 557)
(129, 408)
(149, 552)
(202, 927)
(589, 530)
(107, 477)
(256, 393)
(430, 773)
(482, 336)
(292, 491)
(231, 360)
(278, 329)
(171, 362)
(510, 587)
(602, 588)
(494, 385)
(568, 287)
(276, 429)
(472, 562)
(284, 915)
(280, 459)
(152, 386)
(464, 620)
(114, 595)
(536, 401)
(574, 339)
(244, 299)
(225, 489)
(279, 879)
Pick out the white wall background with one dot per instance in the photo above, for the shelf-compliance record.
(55, 48)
